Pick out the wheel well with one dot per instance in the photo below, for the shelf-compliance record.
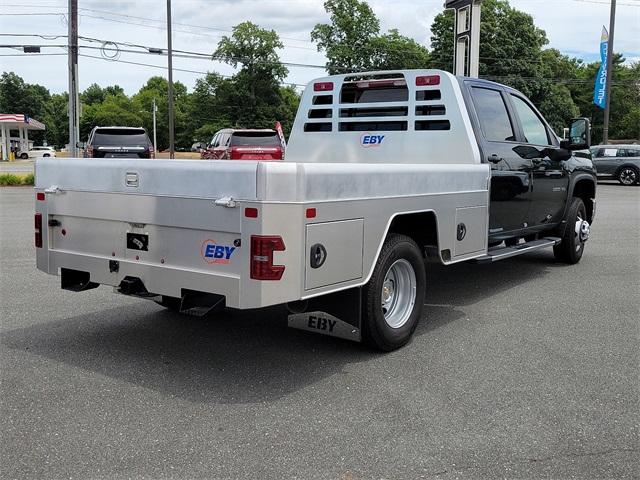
(586, 190)
(422, 227)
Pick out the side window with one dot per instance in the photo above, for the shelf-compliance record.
(215, 141)
(534, 130)
(494, 119)
(622, 152)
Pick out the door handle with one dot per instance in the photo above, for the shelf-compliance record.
(495, 158)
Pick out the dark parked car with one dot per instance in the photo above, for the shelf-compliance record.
(246, 144)
(618, 162)
(113, 142)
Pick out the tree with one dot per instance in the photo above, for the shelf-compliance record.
(393, 51)
(346, 40)
(515, 60)
(116, 110)
(56, 119)
(142, 104)
(94, 94)
(16, 96)
(253, 96)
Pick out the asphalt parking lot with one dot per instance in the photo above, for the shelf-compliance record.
(522, 369)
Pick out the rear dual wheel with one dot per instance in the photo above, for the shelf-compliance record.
(394, 297)
(576, 233)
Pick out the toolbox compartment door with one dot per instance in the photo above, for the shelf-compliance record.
(333, 252)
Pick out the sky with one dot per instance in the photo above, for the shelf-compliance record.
(572, 26)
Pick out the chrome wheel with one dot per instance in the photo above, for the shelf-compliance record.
(628, 176)
(398, 293)
(582, 231)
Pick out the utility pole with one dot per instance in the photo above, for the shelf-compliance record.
(612, 24)
(72, 55)
(155, 138)
(169, 55)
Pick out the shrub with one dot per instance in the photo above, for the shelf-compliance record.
(11, 179)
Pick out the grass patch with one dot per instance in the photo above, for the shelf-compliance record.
(11, 179)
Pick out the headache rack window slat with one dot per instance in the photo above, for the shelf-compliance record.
(372, 126)
(323, 100)
(351, 93)
(423, 125)
(320, 113)
(431, 110)
(424, 95)
(374, 112)
(318, 127)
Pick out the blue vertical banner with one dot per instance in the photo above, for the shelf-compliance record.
(600, 87)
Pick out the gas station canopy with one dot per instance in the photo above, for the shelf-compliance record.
(20, 122)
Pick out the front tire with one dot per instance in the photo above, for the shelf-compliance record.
(394, 296)
(628, 176)
(24, 156)
(576, 233)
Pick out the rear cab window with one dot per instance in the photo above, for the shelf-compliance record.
(493, 115)
(258, 139)
(120, 137)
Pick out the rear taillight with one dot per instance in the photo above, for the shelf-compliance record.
(427, 80)
(278, 154)
(38, 230)
(89, 151)
(323, 87)
(235, 154)
(262, 248)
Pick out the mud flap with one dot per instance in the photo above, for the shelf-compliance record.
(336, 314)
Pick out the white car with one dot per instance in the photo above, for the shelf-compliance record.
(37, 152)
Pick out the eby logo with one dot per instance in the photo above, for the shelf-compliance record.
(213, 253)
(367, 140)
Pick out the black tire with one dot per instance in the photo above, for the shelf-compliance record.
(628, 176)
(170, 303)
(24, 156)
(401, 252)
(571, 247)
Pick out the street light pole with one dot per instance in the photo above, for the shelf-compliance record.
(612, 24)
(155, 138)
(169, 55)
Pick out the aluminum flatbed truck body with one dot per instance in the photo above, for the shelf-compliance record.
(376, 162)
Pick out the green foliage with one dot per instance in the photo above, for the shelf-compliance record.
(253, 97)
(10, 179)
(346, 40)
(28, 179)
(352, 41)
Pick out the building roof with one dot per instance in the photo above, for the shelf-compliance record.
(15, 120)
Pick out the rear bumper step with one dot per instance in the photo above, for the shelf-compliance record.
(495, 254)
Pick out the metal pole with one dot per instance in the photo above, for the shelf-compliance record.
(612, 24)
(155, 138)
(72, 54)
(169, 55)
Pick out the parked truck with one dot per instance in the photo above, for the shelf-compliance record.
(385, 173)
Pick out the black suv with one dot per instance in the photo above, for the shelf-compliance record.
(113, 142)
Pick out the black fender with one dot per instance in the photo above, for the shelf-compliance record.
(571, 190)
